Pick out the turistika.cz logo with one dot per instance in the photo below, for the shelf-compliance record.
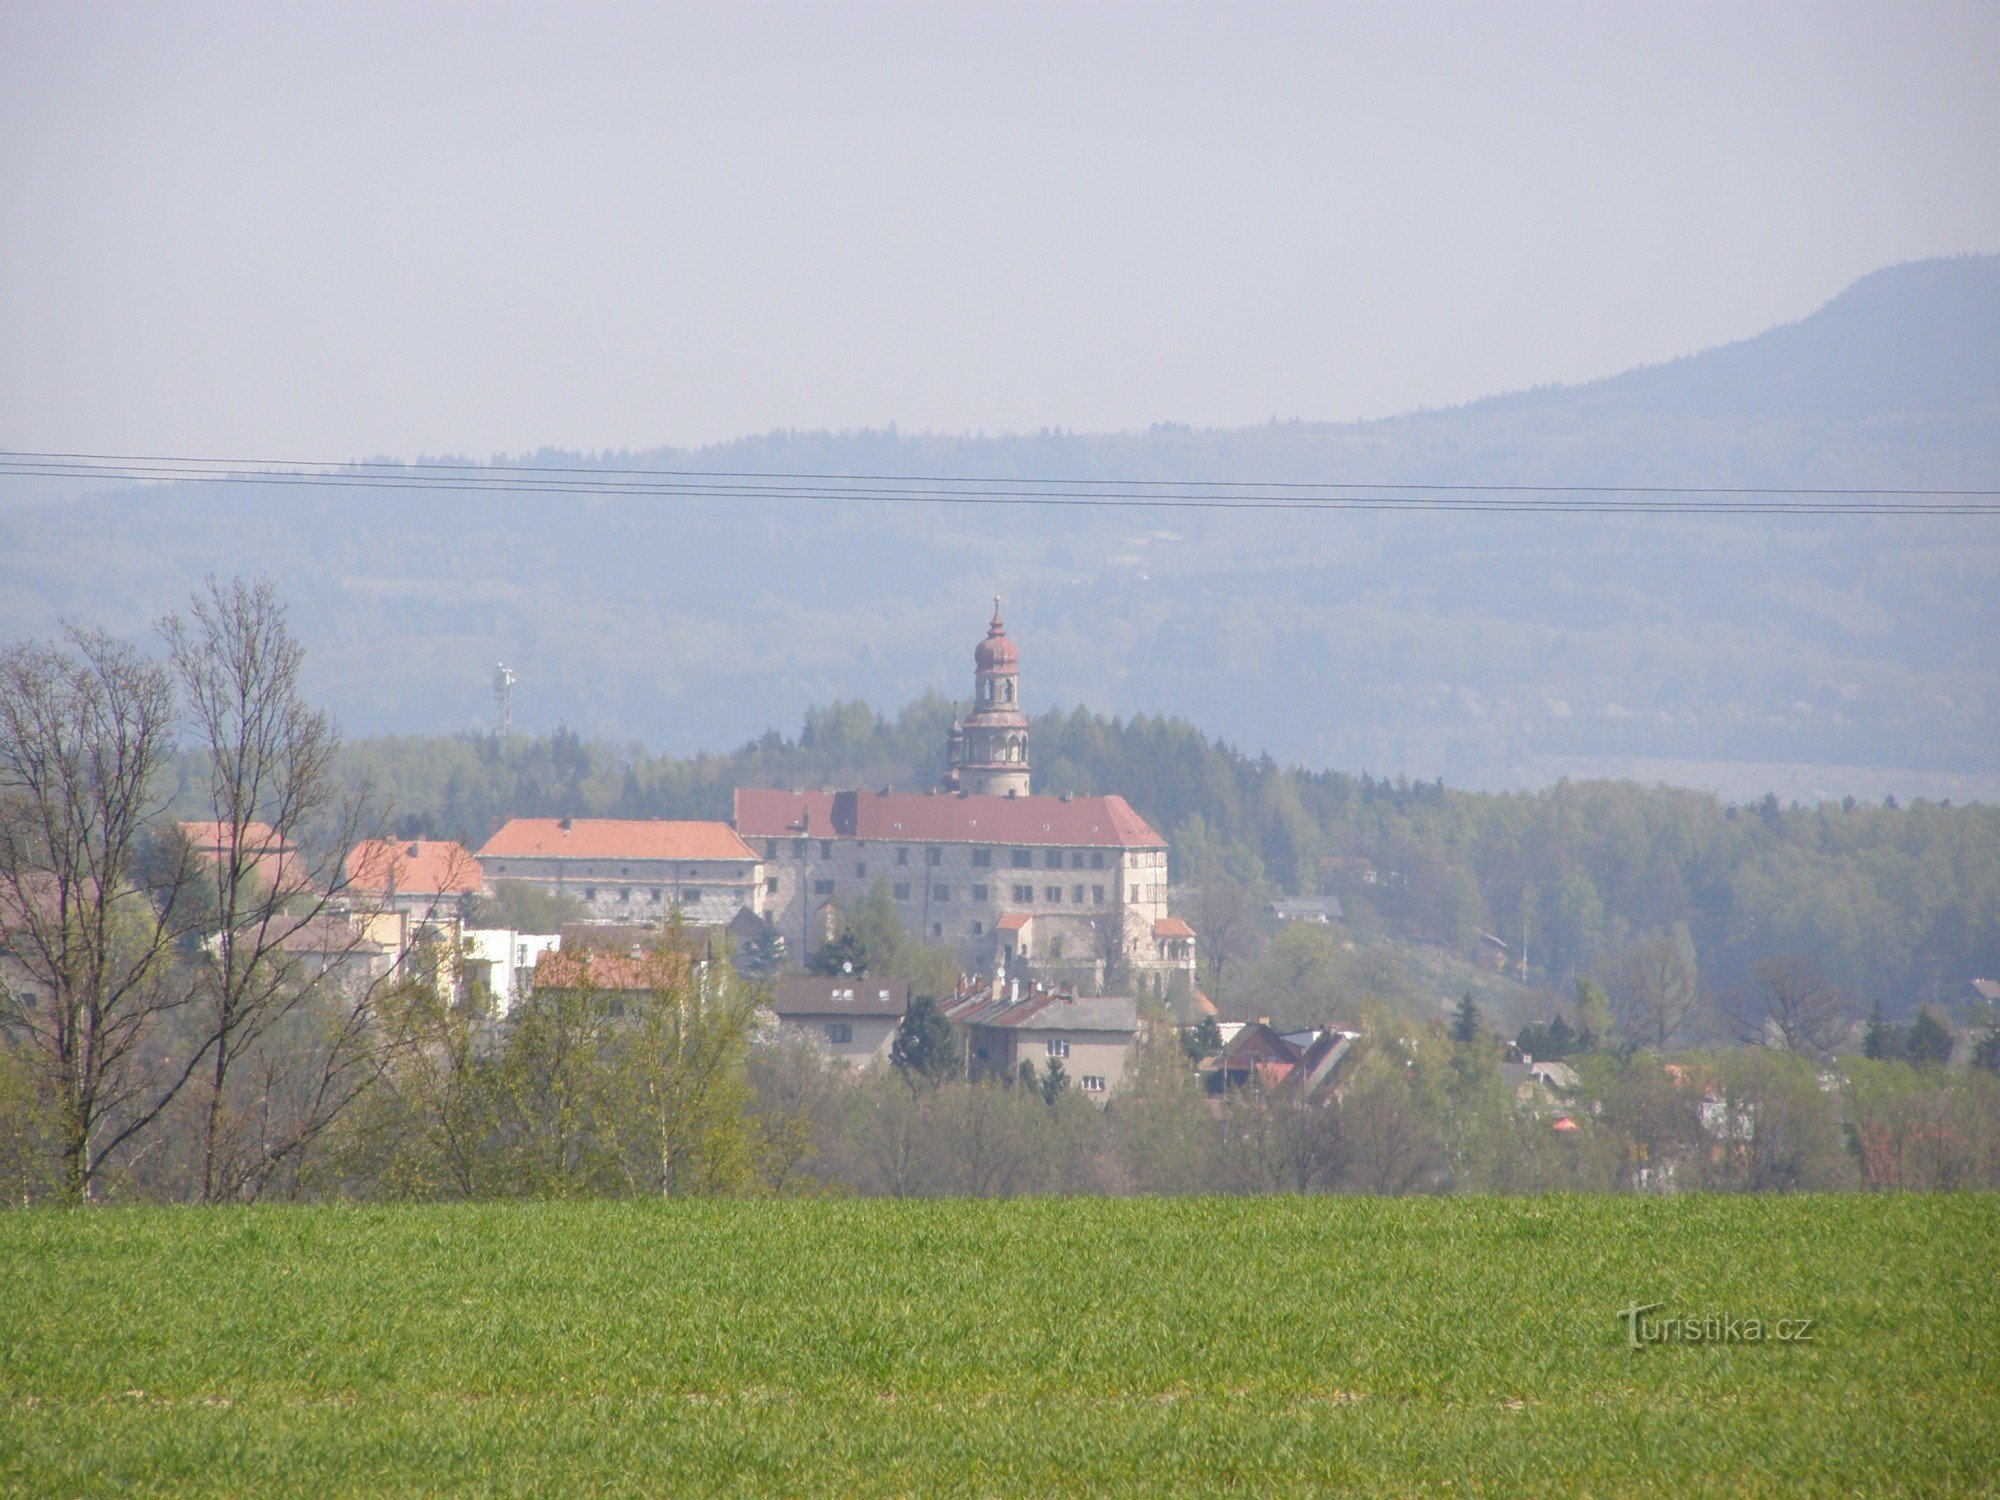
(1711, 1328)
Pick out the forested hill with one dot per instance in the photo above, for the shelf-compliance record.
(1816, 656)
(1899, 904)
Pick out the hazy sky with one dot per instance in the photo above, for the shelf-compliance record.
(348, 229)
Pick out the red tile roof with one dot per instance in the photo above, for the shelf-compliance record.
(275, 863)
(649, 969)
(942, 818)
(1014, 921)
(614, 838)
(1172, 927)
(413, 867)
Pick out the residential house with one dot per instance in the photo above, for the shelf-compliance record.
(851, 1018)
(1317, 909)
(1301, 1064)
(1091, 1037)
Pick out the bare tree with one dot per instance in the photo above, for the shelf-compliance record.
(1224, 913)
(280, 827)
(1794, 1006)
(84, 731)
(1654, 992)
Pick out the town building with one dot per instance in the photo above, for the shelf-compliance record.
(260, 852)
(1069, 886)
(431, 879)
(501, 963)
(1091, 1038)
(631, 869)
(850, 1018)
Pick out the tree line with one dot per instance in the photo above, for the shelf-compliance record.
(1897, 906)
(189, 1009)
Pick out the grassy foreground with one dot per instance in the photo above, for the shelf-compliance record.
(1276, 1345)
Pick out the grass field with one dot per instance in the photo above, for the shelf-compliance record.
(1265, 1346)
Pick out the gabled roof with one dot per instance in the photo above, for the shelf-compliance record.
(1047, 1012)
(1014, 921)
(816, 995)
(942, 818)
(614, 838)
(1172, 927)
(413, 867)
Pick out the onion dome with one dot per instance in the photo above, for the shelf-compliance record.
(996, 653)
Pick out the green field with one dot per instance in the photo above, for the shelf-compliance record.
(1260, 1345)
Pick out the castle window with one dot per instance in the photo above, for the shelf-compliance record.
(1076, 860)
(656, 893)
(624, 893)
(1024, 859)
(590, 893)
(799, 848)
(1076, 894)
(978, 929)
(937, 929)
(903, 855)
(770, 848)
(981, 858)
(1024, 893)
(1053, 895)
(826, 848)
(1093, 1083)
(860, 870)
(1058, 1046)
(839, 1031)
(770, 885)
(940, 893)
(979, 893)
(822, 887)
(690, 894)
(1007, 690)
(937, 856)
(903, 890)
(1097, 860)
(1097, 895)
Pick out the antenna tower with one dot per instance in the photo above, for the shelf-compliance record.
(503, 700)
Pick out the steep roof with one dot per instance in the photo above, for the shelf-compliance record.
(614, 838)
(942, 818)
(816, 995)
(413, 867)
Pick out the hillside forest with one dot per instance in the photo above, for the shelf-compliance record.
(1896, 905)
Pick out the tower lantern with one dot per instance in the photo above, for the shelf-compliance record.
(988, 752)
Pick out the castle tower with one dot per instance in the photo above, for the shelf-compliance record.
(988, 752)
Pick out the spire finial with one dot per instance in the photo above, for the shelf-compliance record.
(996, 610)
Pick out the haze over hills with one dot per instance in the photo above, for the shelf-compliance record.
(1812, 656)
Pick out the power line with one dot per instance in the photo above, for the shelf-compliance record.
(1073, 492)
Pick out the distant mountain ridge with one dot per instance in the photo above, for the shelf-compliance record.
(1490, 650)
(1921, 337)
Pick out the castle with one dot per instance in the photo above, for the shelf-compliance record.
(1072, 887)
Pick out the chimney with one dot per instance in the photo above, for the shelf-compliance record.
(1263, 1020)
(564, 824)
